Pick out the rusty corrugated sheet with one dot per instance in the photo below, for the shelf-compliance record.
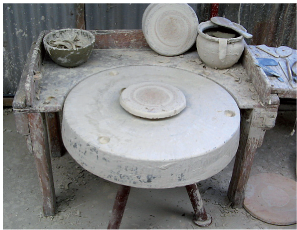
(271, 24)
(121, 16)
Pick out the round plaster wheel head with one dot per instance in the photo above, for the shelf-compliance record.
(271, 198)
(170, 29)
(152, 100)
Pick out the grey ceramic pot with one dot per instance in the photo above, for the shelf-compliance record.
(69, 47)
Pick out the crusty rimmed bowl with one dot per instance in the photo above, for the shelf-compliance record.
(69, 47)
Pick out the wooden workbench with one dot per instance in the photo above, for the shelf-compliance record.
(44, 86)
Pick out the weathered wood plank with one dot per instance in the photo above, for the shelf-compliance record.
(250, 139)
(33, 75)
(22, 123)
(22, 127)
(80, 16)
(120, 39)
(19, 101)
(257, 75)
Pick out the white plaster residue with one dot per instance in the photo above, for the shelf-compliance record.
(38, 155)
(104, 140)
(166, 166)
(63, 59)
(62, 76)
(38, 148)
(48, 100)
(113, 73)
(18, 31)
(49, 202)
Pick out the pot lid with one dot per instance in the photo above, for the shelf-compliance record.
(152, 100)
(170, 29)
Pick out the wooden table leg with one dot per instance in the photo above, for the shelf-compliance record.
(254, 124)
(43, 162)
(22, 126)
(201, 218)
(56, 145)
(119, 207)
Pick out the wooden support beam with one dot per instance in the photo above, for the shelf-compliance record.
(80, 16)
(43, 162)
(253, 126)
(7, 101)
(56, 145)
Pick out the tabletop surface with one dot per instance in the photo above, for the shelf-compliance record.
(120, 147)
(57, 81)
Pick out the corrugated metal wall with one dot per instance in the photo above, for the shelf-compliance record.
(125, 16)
(113, 16)
(271, 24)
(22, 23)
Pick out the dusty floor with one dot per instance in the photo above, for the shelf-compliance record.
(85, 201)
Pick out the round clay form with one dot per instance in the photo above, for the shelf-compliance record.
(152, 100)
(170, 29)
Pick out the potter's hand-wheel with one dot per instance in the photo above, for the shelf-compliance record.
(152, 100)
(175, 151)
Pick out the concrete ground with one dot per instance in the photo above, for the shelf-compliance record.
(85, 201)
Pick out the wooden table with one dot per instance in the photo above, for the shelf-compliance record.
(44, 86)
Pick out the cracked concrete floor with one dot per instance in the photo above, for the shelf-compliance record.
(85, 201)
